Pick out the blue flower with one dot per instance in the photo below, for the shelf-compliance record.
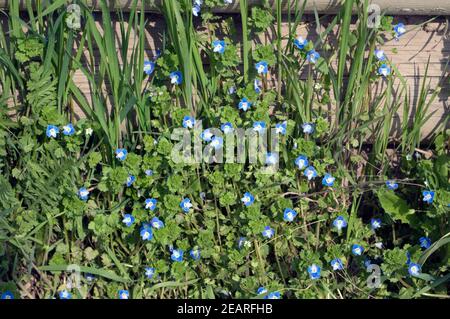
(227, 128)
(328, 180)
(408, 258)
(259, 127)
(90, 277)
(289, 214)
(128, 220)
(248, 199)
(243, 242)
(68, 130)
(52, 131)
(177, 255)
(392, 185)
(261, 67)
(130, 180)
(196, 10)
(375, 223)
(301, 161)
(428, 196)
(280, 128)
(83, 193)
(256, 85)
(176, 77)
(244, 104)
(273, 295)
(308, 128)
(310, 173)
(414, 269)
(219, 46)
(300, 43)
(124, 294)
(379, 54)
(232, 90)
(156, 223)
(149, 67)
(384, 70)
(149, 172)
(150, 203)
(228, 1)
(340, 223)
(149, 272)
(425, 242)
(217, 142)
(195, 254)
(186, 205)
(7, 295)
(206, 135)
(399, 30)
(64, 294)
(357, 250)
(121, 154)
(188, 121)
(314, 271)
(268, 232)
(146, 232)
(262, 290)
(312, 56)
(337, 264)
(271, 158)
(367, 262)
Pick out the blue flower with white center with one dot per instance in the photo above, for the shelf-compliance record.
(195, 254)
(248, 199)
(261, 67)
(146, 232)
(384, 70)
(336, 264)
(83, 193)
(176, 77)
(64, 294)
(300, 43)
(308, 128)
(301, 162)
(124, 294)
(68, 130)
(312, 56)
(244, 104)
(217, 142)
(314, 271)
(243, 242)
(150, 203)
(121, 154)
(414, 269)
(186, 205)
(149, 67)
(196, 10)
(7, 295)
(130, 180)
(90, 277)
(206, 135)
(425, 242)
(257, 85)
(399, 30)
(328, 180)
(357, 250)
(271, 158)
(340, 223)
(52, 131)
(219, 46)
(428, 196)
(259, 127)
(156, 223)
(149, 272)
(262, 290)
(149, 172)
(227, 128)
(379, 54)
(392, 185)
(228, 1)
(268, 232)
(375, 223)
(273, 295)
(280, 128)
(310, 173)
(289, 215)
(177, 255)
(188, 121)
(128, 220)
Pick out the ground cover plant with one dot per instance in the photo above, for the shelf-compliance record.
(97, 206)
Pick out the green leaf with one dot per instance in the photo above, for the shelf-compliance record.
(394, 205)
